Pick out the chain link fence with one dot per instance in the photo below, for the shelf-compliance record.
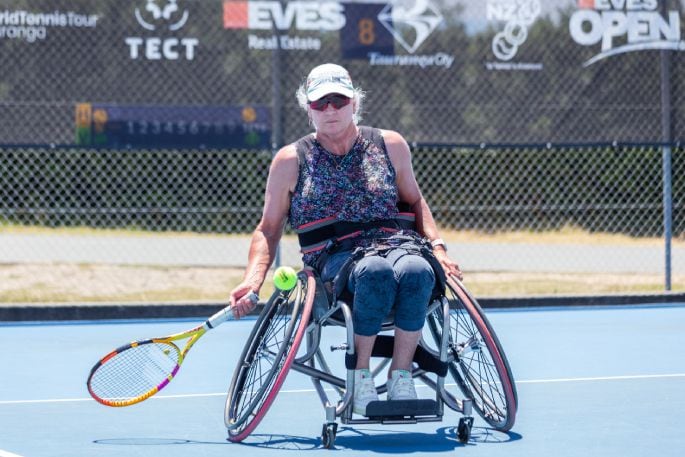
(139, 135)
(536, 212)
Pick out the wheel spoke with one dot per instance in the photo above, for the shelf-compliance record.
(268, 355)
(475, 359)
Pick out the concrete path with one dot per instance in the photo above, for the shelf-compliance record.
(197, 250)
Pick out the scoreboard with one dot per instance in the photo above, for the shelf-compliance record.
(363, 33)
(113, 125)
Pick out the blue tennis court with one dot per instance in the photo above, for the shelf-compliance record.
(604, 381)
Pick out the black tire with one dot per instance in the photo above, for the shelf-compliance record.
(267, 357)
(478, 363)
(328, 435)
(464, 429)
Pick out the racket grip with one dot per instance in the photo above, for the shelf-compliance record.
(220, 317)
(225, 314)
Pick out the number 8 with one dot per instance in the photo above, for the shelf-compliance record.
(366, 32)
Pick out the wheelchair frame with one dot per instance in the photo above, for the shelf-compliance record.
(465, 347)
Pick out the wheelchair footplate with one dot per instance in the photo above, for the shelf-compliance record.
(402, 411)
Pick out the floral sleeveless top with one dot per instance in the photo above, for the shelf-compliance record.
(357, 187)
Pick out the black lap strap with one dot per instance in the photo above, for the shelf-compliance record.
(319, 233)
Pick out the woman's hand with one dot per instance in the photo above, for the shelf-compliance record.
(243, 300)
(449, 265)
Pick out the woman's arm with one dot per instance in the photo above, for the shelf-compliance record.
(280, 186)
(409, 192)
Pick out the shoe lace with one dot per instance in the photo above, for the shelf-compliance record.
(403, 386)
(366, 387)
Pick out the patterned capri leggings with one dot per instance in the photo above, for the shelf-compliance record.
(399, 280)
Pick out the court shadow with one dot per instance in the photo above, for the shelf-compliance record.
(382, 440)
(282, 442)
(442, 440)
(378, 440)
(487, 435)
(277, 442)
(151, 441)
(401, 441)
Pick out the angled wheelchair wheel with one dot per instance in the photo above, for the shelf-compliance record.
(267, 357)
(477, 361)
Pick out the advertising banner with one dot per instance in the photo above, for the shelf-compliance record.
(223, 73)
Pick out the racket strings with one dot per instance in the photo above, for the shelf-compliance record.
(135, 371)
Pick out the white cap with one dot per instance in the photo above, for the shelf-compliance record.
(327, 79)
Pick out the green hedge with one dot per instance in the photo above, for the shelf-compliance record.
(617, 190)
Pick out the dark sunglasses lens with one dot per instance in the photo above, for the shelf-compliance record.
(319, 104)
(338, 101)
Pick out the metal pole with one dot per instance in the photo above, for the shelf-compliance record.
(668, 215)
(666, 161)
(276, 111)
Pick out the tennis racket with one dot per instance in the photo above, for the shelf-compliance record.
(138, 370)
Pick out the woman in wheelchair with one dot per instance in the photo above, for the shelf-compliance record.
(340, 188)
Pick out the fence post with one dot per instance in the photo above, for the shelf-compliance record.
(668, 214)
(277, 112)
(665, 60)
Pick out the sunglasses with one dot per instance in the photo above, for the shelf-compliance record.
(337, 101)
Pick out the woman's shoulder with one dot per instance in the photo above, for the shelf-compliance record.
(392, 137)
(287, 152)
(396, 145)
(286, 161)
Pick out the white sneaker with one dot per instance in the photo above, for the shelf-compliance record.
(364, 391)
(401, 386)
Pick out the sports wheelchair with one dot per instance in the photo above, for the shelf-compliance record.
(457, 341)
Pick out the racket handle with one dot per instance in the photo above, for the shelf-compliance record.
(227, 314)
(219, 317)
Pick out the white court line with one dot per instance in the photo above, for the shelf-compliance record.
(603, 378)
(7, 454)
(298, 391)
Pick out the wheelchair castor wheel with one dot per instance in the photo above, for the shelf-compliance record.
(328, 435)
(464, 429)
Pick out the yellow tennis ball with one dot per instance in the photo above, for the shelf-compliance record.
(285, 278)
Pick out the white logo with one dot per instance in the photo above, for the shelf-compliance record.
(30, 26)
(410, 22)
(303, 15)
(637, 23)
(403, 22)
(157, 48)
(169, 13)
(519, 14)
